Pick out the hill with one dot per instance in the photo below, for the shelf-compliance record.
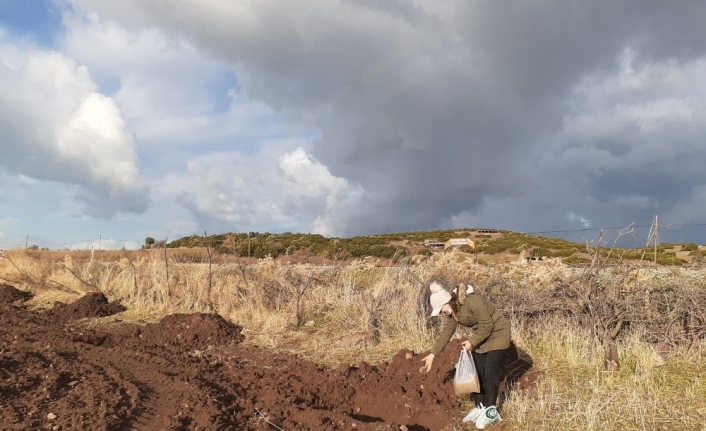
(484, 245)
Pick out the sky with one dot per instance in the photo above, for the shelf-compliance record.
(145, 118)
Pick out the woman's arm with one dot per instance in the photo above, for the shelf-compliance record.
(445, 336)
(485, 320)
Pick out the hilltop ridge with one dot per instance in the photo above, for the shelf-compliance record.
(485, 245)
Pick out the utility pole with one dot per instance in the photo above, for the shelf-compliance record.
(166, 262)
(656, 222)
(428, 214)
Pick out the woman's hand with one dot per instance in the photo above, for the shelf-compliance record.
(466, 345)
(428, 359)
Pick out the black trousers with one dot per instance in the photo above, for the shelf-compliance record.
(489, 366)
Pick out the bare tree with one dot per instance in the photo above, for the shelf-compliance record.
(299, 286)
(600, 298)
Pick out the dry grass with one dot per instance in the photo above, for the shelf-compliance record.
(649, 391)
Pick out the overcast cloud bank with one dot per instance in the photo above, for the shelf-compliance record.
(358, 117)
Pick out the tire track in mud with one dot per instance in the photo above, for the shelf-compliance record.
(151, 395)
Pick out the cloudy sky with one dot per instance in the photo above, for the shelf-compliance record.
(126, 119)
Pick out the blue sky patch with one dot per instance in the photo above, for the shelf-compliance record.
(38, 20)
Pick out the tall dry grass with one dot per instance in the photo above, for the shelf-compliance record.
(648, 392)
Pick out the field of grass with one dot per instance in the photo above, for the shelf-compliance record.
(306, 308)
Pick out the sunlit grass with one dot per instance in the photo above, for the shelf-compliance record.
(649, 392)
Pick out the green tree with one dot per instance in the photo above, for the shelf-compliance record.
(149, 241)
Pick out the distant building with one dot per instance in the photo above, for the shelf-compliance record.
(458, 242)
(434, 244)
(486, 231)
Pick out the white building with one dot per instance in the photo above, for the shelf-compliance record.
(458, 242)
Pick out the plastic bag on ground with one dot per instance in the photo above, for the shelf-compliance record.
(466, 377)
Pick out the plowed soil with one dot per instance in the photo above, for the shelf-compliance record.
(191, 372)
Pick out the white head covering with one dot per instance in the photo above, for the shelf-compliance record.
(439, 297)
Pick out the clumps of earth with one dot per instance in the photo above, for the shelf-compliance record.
(192, 372)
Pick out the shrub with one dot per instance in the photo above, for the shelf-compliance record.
(691, 247)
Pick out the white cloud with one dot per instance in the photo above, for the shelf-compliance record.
(210, 146)
(304, 176)
(97, 120)
(171, 94)
(572, 216)
(56, 126)
(281, 186)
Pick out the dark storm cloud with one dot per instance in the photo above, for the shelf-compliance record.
(456, 113)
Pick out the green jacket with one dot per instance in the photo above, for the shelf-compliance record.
(491, 331)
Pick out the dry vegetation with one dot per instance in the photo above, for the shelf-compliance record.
(569, 322)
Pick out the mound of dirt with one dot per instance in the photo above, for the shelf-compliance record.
(190, 372)
(193, 331)
(9, 295)
(93, 304)
(179, 332)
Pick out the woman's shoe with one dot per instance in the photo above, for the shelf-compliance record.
(490, 416)
(474, 414)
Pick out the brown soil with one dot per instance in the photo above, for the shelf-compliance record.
(191, 372)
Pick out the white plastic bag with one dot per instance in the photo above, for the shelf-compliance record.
(466, 377)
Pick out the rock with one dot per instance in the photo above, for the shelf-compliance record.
(51, 416)
(359, 339)
(310, 323)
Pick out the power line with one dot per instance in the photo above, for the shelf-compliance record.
(587, 229)
(72, 242)
(594, 229)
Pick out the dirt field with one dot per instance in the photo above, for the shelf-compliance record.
(61, 371)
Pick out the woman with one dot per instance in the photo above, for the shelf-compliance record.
(488, 344)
